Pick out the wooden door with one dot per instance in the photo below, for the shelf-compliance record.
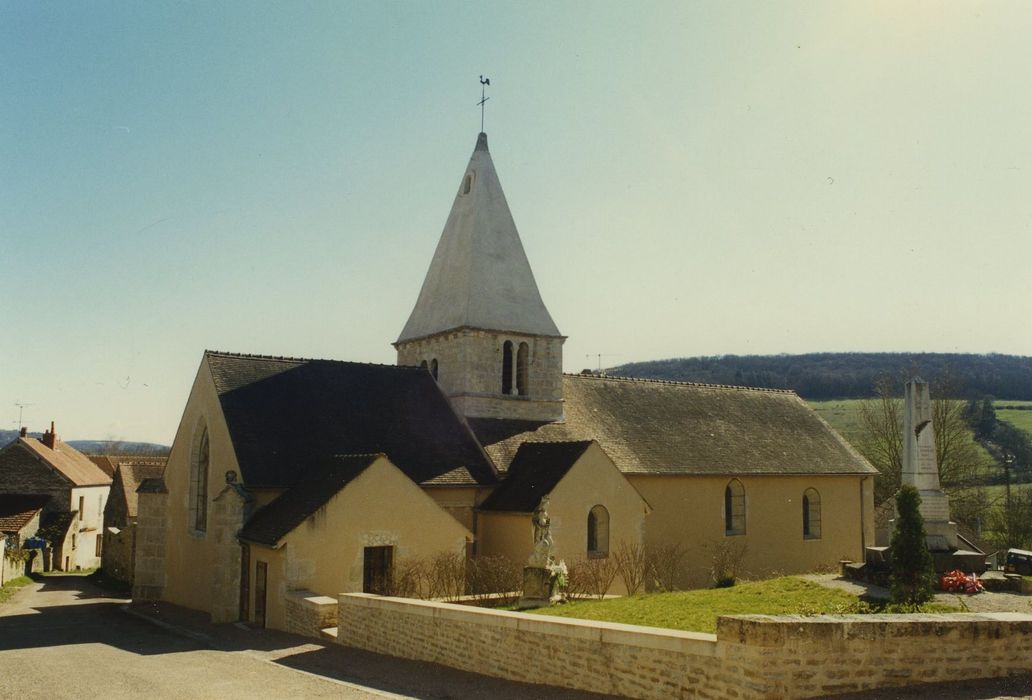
(377, 570)
(261, 575)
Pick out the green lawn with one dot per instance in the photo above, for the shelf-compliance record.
(8, 589)
(1019, 419)
(842, 415)
(697, 611)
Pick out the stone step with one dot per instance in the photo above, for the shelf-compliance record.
(329, 633)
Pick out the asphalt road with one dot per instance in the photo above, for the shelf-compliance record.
(64, 637)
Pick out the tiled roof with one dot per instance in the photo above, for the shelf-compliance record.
(284, 414)
(534, 472)
(16, 510)
(72, 464)
(650, 427)
(131, 474)
(106, 463)
(459, 476)
(322, 482)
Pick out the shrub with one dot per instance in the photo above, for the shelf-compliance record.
(590, 577)
(726, 563)
(913, 576)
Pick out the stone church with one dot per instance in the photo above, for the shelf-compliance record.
(291, 474)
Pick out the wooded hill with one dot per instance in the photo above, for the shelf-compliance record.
(821, 376)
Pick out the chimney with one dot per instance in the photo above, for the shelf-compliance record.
(24, 432)
(50, 437)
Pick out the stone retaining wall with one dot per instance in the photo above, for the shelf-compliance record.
(309, 614)
(749, 657)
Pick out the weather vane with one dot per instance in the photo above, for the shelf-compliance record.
(484, 82)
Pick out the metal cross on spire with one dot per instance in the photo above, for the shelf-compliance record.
(484, 82)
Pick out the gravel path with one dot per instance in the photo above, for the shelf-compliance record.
(987, 601)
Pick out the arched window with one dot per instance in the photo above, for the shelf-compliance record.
(734, 508)
(433, 367)
(199, 483)
(423, 364)
(598, 532)
(507, 367)
(811, 514)
(467, 183)
(522, 359)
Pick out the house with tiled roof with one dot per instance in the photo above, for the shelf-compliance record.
(128, 472)
(292, 474)
(19, 521)
(76, 489)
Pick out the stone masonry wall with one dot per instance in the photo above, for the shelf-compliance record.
(470, 371)
(749, 657)
(308, 613)
(226, 517)
(151, 532)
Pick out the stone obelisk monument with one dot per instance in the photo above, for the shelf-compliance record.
(920, 468)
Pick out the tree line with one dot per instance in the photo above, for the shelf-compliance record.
(820, 376)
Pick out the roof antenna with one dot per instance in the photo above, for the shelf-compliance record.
(483, 83)
(21, 410)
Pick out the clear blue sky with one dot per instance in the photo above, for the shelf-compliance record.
(688, 179)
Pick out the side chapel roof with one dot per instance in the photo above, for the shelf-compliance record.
(656, 427)
(479, 276)
(285, 414)
(534, 472)
(322, 482)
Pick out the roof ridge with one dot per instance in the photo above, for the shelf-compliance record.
(680, 383)
(287, 358)
(532, 443)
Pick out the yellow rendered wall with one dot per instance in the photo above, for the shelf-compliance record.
(190, 555)
(324, 554)
(690, 510)
(457, 502)
(592, 480)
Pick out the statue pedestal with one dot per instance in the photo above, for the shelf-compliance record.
(539, 589)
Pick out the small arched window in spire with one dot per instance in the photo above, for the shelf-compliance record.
(507, 367)
(522, 370)
(433, 367)
(467, 183)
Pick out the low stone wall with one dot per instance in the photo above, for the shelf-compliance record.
(309, 614)
(749, 657)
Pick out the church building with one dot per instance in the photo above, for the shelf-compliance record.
(291, 474)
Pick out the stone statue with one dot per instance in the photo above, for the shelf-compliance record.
(544, 580)
(542, 523)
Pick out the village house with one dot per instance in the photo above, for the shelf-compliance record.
(76, 491)
(128, 472)
(291, 474)
(19, 521)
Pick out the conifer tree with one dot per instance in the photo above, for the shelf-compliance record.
(913, 575)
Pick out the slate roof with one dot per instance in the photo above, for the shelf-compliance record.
(322, 482)
(131, 474)
(479, 276)
(17, 510)
(655, 427)
(285, 414)
(68, 461)
(534, 471)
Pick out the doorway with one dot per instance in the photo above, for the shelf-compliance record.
(261, 576)
(377, 570)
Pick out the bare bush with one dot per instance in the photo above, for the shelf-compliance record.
(726, 563)
(588, 577)
(446, 575)
(632, 565)
(490, 576)
(410, 575)
(666, 565)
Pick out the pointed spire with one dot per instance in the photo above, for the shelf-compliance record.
(479, 276)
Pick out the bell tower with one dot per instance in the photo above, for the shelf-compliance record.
(479, 324)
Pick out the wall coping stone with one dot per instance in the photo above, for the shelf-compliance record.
(697, 643)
